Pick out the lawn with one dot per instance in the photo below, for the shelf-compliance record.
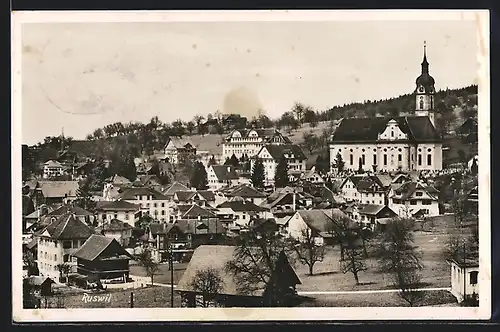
(163, 275)
(436, 271)
(432, 298)
(149, 297)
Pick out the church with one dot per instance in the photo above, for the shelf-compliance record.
(404, 143)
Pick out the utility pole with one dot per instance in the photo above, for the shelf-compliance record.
(171, 263)
(465, 270)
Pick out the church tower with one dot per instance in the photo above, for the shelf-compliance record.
(424, 92)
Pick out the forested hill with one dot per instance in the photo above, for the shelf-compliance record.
(453, 106)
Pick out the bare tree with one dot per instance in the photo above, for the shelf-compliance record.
(398, 256)
(254, 261)
(354, 262)
(64, 269)
(308, 251)
(209, 284)
(151, 266)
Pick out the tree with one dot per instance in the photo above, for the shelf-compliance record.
(310, 141)
(151, 266)
(299, 109)
(339, 162)
(212, 161)
(190, 127)
(83, 197)
(209, 284)
(255, 259)
(354, 262)
(129, 170)
(474, 168)
(31, 264)
(281, 174)
(178, 128)
(398, 256)
(29, 299)
(258, 176)
(144, 221)
(199, 176)
(64, 269)
(198, 119)
(233, 161)
(308, 252)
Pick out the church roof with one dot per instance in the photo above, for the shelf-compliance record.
(418, 128)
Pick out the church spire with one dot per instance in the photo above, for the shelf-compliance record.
(425, 64)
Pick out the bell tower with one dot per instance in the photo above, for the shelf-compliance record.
(424, 92)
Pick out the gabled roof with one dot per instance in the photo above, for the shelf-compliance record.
(196, 211)
(207, 195)
(354, 179)
(371, 209)
(225, 173)
(264, 133)
(118, 179)
(180, 142)
(70, 208)
(117, 205)
(319, 220)
(241, 206)
(143, 179)
(175, 187)
(67, 227)
(245, 191)
(52, 163)
(58, 189)
(277, 151)
(157, 228)
(418, 128)
(131, 193)
(116, 225)
(97, 245)
(184, 196)
(405, 190)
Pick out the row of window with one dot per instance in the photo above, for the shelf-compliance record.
(400, 159)
(47, 256)
(413, 202)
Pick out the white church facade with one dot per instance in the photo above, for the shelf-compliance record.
(405, 143)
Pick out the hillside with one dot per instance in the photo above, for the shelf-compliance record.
(453, 107)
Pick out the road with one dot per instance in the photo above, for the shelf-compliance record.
(368, 291)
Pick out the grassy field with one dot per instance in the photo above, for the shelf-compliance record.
(163, 276)
(432, 298)
(149, 297)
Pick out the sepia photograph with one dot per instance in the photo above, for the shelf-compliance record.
(250, 165)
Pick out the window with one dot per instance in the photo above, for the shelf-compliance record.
(104, 216)
(243, 217)
(65, 258)
(426, 202)
(429, 160)
(116, 216)
(385, 160)
(400, 157)
(418, 193)
(162, 212)
(419, 160)
(351, 159)
(162, 204)
(126, 216)
(413, 203)
(392, 133)
(363, 159)
(55, 257)
(473, 277)
(421, 104)
(155, 205)
(67, 244)
(374, 159)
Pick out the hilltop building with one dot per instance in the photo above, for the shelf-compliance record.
(403, 143)
(249, 142)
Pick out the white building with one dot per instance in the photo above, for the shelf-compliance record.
(220, 176)
(57, 242)
(150, 201)
(248, 193)
(365, 189)
(271, 154)
(464, 278)
(52, 169)
(178, 148)
(400, 143)
(249, 142)
(414, 198)
(121, 210)
(317, 224)
(241, 211)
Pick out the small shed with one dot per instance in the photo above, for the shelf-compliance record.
(43, 285)
(464, 278)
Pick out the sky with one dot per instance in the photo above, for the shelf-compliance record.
(77, 77)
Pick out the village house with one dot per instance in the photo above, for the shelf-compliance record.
(121, 210)
(286, 201)
(173, 188)
(232, 294)
(312, 176)
(248, 193)
(179, 149)
(414, 197)
(52, 169)
(220, 176)
(58, 241)
(197, 231)
(317, 222)
(119, 181)
(117, 229)
(365, 189)
(398, 143)
(249, 141)
(239, 211)
(55, 192)
(79, 213)
(201, 197)
(104, 259)
(149, 180)
(271, 154)
(375, 215)
(464, 278)
(152, 202)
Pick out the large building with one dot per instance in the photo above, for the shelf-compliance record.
(393, 143)
(249, 142)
